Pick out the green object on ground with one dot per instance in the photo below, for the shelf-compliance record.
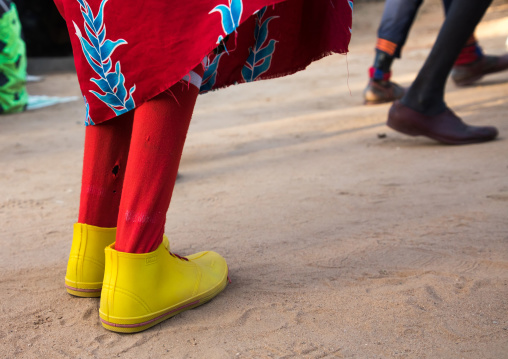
(13, 94)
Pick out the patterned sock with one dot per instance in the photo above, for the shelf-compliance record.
(470, 53)
(381, 70)
(378, 74)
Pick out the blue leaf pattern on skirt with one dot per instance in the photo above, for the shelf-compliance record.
(260, 56)
(230, 16)
(97, 51)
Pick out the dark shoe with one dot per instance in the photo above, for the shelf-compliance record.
(382, 91)
(464, 75)
(445, 127)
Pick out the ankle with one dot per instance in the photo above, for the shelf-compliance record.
(378, 75)
(381, 70)
(469, 54)
(428, 107)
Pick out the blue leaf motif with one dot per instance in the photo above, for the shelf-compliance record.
(121, 91)
(266, 51)
(261, 12)
(109, 46)
(106, 65)
(262, 67)
(230, 15)
(102, 35)
(263, 32)
(210, 75)
(86, 16)
(93, 64)
(236, 11)
(113, 78)
(260, 56)
(88, 119)
(100, 82)
(351, 6)
(228, 24)
(130, 101)
(251, 58)
(247, 73)
(90, 50)
(92, 38)
(109, 98)
(99, 19)
(97, 51)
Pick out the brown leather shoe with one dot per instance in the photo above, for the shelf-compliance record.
(445, 127)
(465, 75)
(378, 92)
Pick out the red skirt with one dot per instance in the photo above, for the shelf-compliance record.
(127, 52)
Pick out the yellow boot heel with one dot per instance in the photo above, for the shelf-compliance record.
(85, 268)
(142, 290)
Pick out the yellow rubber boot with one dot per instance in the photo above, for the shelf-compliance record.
(85, 269)
(142, 290)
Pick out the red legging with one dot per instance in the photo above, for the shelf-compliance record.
(130, 167)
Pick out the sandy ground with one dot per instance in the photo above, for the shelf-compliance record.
(342, 243)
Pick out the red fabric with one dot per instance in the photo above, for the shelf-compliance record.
(164, 40)
(158, 137)
(130, 167)
(104, 163)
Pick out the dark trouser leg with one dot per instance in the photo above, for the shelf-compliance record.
(426, 94)
(471, 51)
(447, 4)
(398, 16)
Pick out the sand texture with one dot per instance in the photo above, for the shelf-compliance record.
(344, 238)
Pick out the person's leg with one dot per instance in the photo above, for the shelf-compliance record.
(422, 110)
(472, 64)
(104, 164)
(158, 137)
(144, 282)
(426, 94)
(446, 5)
(398, 17)
(471, 51)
